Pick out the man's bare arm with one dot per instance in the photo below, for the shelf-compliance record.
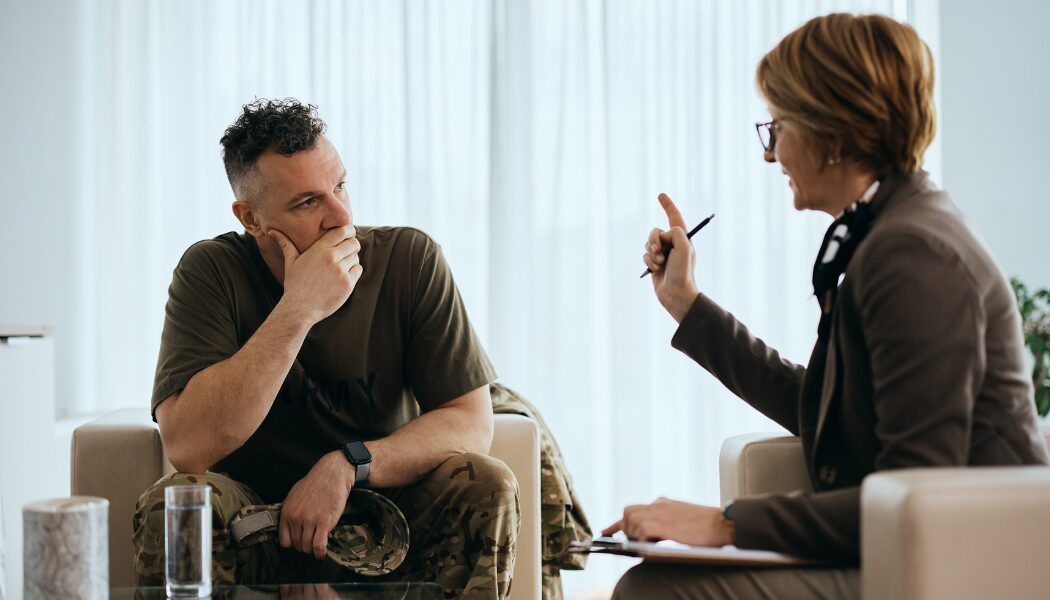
(458, 426)
(223, 405)
(417, 448)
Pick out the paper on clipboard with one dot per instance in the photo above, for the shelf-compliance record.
(671, 552)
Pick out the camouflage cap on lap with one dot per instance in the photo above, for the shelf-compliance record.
(371, 537)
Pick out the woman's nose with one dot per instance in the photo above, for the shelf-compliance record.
(769, 156)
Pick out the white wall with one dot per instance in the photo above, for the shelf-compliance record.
(39, 196)
(995, 123)
(39, 178)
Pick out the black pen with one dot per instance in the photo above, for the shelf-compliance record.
(690, 235)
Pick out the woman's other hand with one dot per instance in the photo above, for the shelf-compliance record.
(681, 522)
(673, 279)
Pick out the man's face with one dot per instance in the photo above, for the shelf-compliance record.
(302, 196)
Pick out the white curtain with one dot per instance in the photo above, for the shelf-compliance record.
(530, 138)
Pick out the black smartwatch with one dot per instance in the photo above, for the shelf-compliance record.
(728, 512)
(730, 524)
(360, 457)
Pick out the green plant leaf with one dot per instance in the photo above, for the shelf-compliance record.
(1042, 401)
(1034, 307)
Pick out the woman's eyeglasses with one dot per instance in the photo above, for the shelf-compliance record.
(767, 134)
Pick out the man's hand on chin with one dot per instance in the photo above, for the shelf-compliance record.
(314, 505)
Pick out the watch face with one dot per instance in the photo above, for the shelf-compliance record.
(358, 453)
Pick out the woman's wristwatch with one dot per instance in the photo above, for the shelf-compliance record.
(728, 522)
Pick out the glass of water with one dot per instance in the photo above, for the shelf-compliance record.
(187, 541)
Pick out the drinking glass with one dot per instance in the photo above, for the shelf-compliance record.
(187, 541)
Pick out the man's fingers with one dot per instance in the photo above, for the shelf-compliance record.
(337, 235)
(306, 540)
(287, 247)
(283, 534)
(349, 261)
(355, 273)
(348, 247)
(353, 267)
(320, 543)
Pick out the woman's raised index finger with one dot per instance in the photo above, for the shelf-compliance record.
(674, 216)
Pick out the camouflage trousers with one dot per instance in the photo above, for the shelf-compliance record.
(463, 520)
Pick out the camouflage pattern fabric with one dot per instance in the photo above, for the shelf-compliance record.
(305, 591)
(463, 520)
(371, 537)
(257, 564)
(563, 519)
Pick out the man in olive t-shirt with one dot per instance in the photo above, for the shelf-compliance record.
(283, 344)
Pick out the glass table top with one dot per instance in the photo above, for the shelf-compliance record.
(299, 591)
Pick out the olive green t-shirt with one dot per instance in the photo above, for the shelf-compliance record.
(401, 344)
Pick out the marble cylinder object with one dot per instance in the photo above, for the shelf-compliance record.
(66, 549)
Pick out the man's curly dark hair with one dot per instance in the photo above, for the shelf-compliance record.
(285, 126)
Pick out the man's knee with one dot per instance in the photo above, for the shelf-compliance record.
(478, 476)
(468, 540)
(224, 491)
(227, 497)
(478, 484)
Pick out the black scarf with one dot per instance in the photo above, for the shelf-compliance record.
(840, 242)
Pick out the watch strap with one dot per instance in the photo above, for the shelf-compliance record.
(729, 523)
(361, 475)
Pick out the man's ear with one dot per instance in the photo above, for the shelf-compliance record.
(249, 218)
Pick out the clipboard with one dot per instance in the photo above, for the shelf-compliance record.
(675, 553)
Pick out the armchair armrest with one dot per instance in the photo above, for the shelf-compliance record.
(761, 463)
(961, 533)
(516, 442)
(116, 457)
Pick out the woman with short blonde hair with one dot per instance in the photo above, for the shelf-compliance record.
(860, 88)
(919, 354)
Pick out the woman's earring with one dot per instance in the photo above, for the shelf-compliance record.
(835, 161)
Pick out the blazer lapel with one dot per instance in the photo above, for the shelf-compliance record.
(829, 388)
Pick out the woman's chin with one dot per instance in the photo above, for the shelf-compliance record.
(800, 202)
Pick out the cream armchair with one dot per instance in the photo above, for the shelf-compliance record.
(119, 455)
(951, 533)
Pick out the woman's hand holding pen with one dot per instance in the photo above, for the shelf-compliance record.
(673, 279)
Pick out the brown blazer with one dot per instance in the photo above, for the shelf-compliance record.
(924, 368)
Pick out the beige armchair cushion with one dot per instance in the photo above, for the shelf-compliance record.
(119, 455)
(761, 463)
(952, 533)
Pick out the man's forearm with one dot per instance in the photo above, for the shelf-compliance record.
(417, 448)
(223, 405)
